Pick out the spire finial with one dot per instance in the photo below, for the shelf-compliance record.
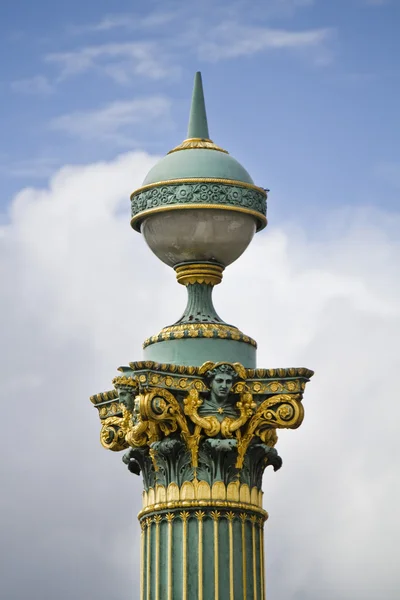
(198, 127)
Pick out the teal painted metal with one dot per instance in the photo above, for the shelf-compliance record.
(200, 307)
(208, 193)
(184, 349)
(195, 352)
(197, 162)
(231, 565)
(198, 126)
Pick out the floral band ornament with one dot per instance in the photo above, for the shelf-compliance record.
(200, 330)
(215, 428)
(199, 193)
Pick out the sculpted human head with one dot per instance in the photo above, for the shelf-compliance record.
(126, 397)
(220, 380)
(127, 389)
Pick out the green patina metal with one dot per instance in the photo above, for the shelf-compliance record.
(198, 126)
(200, 307)
(198, 193)
(218, 343)
(197, 163)
(236, 549)
(187, 351)
(217, 178)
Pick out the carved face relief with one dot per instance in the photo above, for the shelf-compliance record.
(221, 385)
(126, 398)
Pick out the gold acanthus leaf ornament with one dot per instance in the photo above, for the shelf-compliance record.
(160, 407)
(114, 430)
(156, 413)
(284, 411)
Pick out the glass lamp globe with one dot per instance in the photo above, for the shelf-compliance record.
(197, 235)
(198, 203)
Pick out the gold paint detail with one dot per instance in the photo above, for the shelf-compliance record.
(157, 521)
(262, 565)
(215, 515)
(233, 182)
(257, 387)
(283, 411)
(248, 211)
(142, 545)
(170, 518)
(190, 273)
(113, 430)
(123, 381)
(148, 559)
(104, 397)
(184, 515)
(200, 514)
(230, 516)
(249, 514)
(157, 413)
(200, 493)
(243, 518)
(198, 330)
(253, 519)
(198, 144)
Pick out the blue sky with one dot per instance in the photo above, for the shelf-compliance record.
(304, 93)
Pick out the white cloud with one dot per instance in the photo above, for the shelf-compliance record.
(82, 291)
(115, 122)
(127, 21)
(120, 61)
(231, 40)
(39, 85)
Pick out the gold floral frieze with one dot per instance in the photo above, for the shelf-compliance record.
(248, 373)
(200, 330)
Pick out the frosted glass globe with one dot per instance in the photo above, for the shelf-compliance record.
(201, 234)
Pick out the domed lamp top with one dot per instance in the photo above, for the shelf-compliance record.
(198, 203)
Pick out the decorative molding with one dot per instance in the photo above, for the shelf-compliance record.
(200, 272)
(202, 491)
(291, 372)
(198, 144)
(123, 381)
(200, 330)
(199, 193)
(199, 180)
(200, 435)
(104, 397)
(193, 505)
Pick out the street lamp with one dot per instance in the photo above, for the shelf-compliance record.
(197, 418)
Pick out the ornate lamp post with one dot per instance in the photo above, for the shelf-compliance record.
(196, 417)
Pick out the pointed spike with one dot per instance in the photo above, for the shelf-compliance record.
(198, 127)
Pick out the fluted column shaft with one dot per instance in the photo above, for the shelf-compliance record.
(203, 554)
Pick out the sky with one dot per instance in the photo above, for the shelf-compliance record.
(305, 94)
